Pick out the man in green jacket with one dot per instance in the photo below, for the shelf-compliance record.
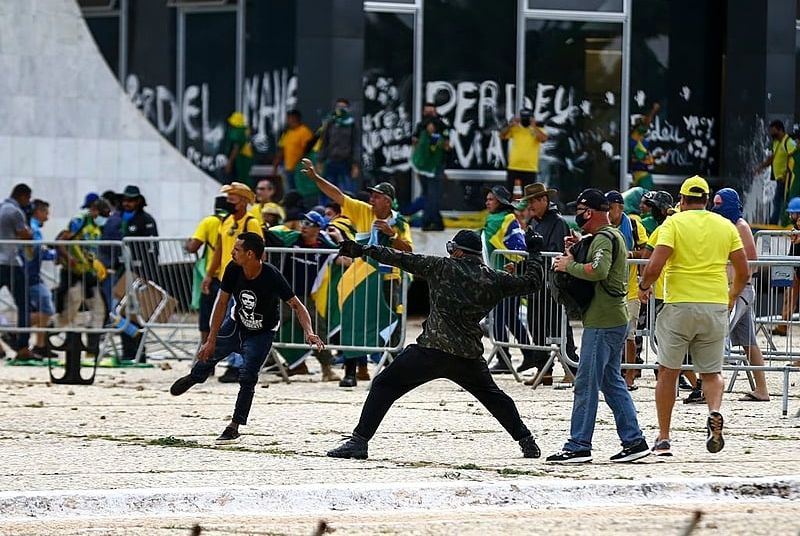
(604, 331)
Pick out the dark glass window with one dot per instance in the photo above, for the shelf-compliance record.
(676, 46)
(469, 72)
(388, 100)
(577, 5)
(209, 96)
(573, 83)
(105, 31)
(270, 79)
(150, 81)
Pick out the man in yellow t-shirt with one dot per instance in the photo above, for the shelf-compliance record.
(239, 196)
(523, 153)
(376, 223)
(693, 250)
(782, 162)
(292, 146)
(205, 236)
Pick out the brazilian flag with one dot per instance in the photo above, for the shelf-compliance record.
(366, 319)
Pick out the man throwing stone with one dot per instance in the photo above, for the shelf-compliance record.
(462, 291)
(250, 328)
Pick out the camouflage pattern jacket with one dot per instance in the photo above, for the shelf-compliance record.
(462, 292)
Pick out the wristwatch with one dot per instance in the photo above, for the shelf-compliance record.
(640, 287)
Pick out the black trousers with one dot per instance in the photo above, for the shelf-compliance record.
(416, 366)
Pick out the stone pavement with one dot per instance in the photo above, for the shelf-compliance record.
(127, 433)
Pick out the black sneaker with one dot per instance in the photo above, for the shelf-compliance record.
(354, 447)
(529, 447)
(231, 375)
(569, 456)
(714, 440)
(182, 384)
(634, 452)
(228, 436)
(348, 381)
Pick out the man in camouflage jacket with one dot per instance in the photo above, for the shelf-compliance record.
(462, 292)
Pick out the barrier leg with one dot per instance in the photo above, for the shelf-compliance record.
(785, 394)
(548, 367)
(73, 347)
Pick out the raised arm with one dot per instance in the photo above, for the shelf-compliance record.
(327, 188)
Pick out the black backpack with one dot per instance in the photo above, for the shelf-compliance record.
(576, 294)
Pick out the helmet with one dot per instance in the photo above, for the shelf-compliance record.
(660, 200)
(794, 205)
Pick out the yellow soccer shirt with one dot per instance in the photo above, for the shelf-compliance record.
(362, 218)
(293, 142)
(701, 243)
(207, 232)
(783, 152)
(633, 271)
(524, 152)
(658, 286)
(229, 231)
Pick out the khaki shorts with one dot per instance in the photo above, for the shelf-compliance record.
(633, 317)
(695, 328)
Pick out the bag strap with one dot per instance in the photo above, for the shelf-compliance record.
(614, 251)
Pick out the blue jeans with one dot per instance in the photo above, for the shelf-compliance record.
(432, 194)
(14, 278)
(254, 348)
(338, 172)
(599, 370)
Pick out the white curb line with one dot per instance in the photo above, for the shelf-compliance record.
(365, 498)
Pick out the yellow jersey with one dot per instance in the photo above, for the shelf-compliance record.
(207, 232)
(523, 154)
(229, 231)
(701, 243)
(640, 237)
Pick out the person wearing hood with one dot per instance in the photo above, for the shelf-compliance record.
(548, 222)
(502, 231)
(742, 330)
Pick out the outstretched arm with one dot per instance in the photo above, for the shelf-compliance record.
(410, 262)
(329, 189)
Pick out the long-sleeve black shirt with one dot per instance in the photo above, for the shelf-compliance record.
(462, 292)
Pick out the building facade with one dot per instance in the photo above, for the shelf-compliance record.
(720, 71)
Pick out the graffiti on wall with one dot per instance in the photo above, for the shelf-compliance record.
(266, 98)
(385, 126)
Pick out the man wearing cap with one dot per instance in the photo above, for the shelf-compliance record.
(239, 196)
(693, 250)
(462, 292)
(523, 152)
(605, 323)
(502, 231)
(635, 237)
(301, 271)
(543, 315)
(375, 223)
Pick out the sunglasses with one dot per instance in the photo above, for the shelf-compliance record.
(306, 223)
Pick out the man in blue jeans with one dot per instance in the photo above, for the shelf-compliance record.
(604, 331)
(249, 329)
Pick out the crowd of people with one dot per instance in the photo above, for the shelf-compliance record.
(243, 302)
(89, 272)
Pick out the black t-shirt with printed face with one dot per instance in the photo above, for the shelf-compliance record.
(257, 306)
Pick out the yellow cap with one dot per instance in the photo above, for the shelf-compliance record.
(695, 186)
(237, 120)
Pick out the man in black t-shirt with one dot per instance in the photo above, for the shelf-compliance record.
(257, 288)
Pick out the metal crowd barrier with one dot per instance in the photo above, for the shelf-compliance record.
(58, 292)
(773, 277)
(356, 307)
(163, 278)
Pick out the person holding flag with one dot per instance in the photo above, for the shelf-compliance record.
(376, 224)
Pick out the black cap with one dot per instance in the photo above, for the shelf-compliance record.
(593, 199)
(294, 214)
(383, 188)
(468, 241)
(614, 197)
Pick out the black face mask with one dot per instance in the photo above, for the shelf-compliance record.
(581, 220)
(525, 122)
